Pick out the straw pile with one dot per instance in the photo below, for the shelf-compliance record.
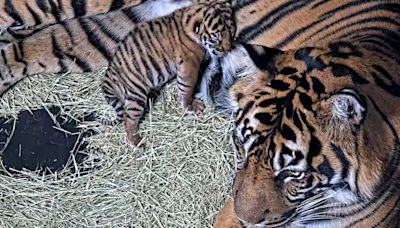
(181, 179)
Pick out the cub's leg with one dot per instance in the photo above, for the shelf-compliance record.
(128, 96)
(134, 110)
(110, 94)
(187, 80)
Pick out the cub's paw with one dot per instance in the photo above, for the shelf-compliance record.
(197, 107)
(133, 139)
(3, 88)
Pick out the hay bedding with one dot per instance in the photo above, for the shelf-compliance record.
(181, 178)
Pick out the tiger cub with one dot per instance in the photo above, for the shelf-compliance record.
(157, 51)
(78, 45)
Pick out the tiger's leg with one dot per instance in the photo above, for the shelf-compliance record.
(133, 112)
(131, 92)
(187, 80)
(10, 76)
(27, 57)
(76, 46)
(111, 91)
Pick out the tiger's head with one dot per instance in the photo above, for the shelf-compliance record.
(310, 139)
(212, 26)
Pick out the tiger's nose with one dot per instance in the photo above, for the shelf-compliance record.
(228, 47)
(257, 199)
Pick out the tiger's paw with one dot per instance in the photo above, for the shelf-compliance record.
(3, 89)
(197, 107)
(133, 139)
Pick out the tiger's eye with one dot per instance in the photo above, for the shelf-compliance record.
(196, 27)
(295, 173)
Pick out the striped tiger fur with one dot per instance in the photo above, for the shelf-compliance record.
(317, 111)
(78, 45)
(22, 14)
(157, 51)
(371, 27)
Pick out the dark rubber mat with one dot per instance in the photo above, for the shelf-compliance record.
(37, 144)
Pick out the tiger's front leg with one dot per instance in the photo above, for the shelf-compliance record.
(187, 80)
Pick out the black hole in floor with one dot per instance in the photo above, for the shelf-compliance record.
(37, 145)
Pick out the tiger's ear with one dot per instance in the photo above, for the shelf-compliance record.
(263, 57)
(348, 107)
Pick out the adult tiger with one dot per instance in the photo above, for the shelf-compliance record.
(373, 29)
(317, 120)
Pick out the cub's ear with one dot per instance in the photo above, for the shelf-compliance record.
(263, 57)
(348, 107)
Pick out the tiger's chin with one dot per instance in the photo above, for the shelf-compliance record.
(223, 52)
(218, 52)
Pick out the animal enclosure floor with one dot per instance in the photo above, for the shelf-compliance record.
(181, 179)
